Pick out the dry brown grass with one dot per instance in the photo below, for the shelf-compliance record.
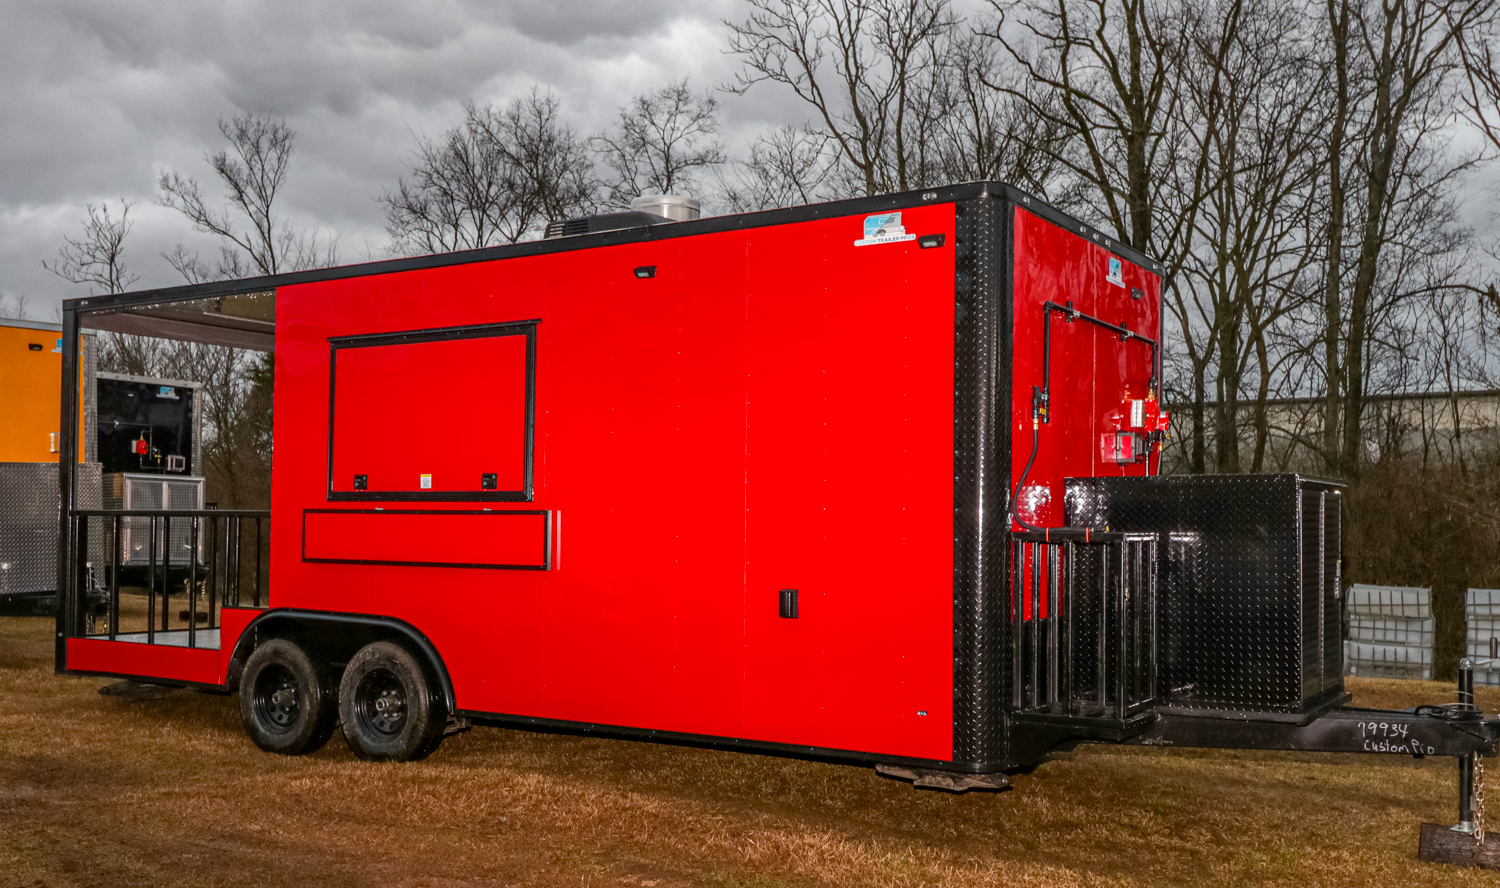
(98, 791)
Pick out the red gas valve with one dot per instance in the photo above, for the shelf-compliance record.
(1143, 426)
(141, 446)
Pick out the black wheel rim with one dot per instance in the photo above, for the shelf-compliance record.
(380, 702)
(277, 700)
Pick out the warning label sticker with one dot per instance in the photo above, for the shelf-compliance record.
(885, 228)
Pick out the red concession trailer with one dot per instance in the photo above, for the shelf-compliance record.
(795, 481)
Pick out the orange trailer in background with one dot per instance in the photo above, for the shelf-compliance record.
(30, 378)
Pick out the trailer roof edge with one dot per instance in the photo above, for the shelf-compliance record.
(665, 231)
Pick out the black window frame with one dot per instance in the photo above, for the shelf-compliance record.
(525, 328)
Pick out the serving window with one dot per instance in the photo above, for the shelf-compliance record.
(433, 415)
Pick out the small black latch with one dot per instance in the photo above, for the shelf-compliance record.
(789, 604)
(645, 271)
(1137, 293)
(34, 346)
(489, 481)
(929, 241)
(361, 482)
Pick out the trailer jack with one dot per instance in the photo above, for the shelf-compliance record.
(1463, 844)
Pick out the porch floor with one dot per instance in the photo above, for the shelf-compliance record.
(208, 639)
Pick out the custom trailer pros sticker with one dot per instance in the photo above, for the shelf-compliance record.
(1116, 274)
(884, 228)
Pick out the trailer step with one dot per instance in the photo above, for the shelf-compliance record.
(132, 691)
(948, 781)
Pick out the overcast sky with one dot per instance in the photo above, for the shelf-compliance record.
(101, 95)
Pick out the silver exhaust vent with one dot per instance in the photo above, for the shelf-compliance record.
(678, 209)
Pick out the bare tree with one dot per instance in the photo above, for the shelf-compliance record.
(1252, 119)
(498, 177)
(15, 306)
(1402, 78)
(786, 168)
(662, 141)
(136, 355)
(98, 257)
(864, 66)
(981, 132)
(257, 238)
(1108, 73)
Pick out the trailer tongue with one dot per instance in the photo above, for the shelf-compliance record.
(1456, 730)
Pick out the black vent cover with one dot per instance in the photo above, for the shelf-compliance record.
(602, 222)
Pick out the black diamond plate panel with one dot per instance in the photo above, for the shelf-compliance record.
(1333, 598)
(980, 454)
(1249, 568)
(1311, 542)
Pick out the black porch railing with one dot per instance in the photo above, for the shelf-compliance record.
(1083, 624)
(126, 567)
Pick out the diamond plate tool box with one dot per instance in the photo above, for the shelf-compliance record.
(1249, 608)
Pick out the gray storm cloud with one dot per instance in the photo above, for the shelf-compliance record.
(100, 97)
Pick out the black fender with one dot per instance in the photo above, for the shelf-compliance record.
(340, 635)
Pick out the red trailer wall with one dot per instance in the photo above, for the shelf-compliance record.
(773, 410)
(1093, 372)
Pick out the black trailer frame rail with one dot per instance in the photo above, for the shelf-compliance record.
(223, 562)
(1426, 730)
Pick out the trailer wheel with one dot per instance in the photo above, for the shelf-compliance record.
(387, 706)
(286, 700)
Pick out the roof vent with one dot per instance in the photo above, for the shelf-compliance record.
(602, 222)
(678, 209)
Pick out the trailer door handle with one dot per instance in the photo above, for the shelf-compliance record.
(789, 604)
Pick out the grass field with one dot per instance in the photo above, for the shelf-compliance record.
(98, 791)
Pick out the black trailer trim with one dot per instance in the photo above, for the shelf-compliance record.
(546, 515)
(304, 618)
(981, 382)
(150, 679)
(525, 328)
(712, 741)
(436, 334)
(663, 231)
(69, 621)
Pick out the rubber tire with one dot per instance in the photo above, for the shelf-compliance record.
(271, 726)
(385, 669)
